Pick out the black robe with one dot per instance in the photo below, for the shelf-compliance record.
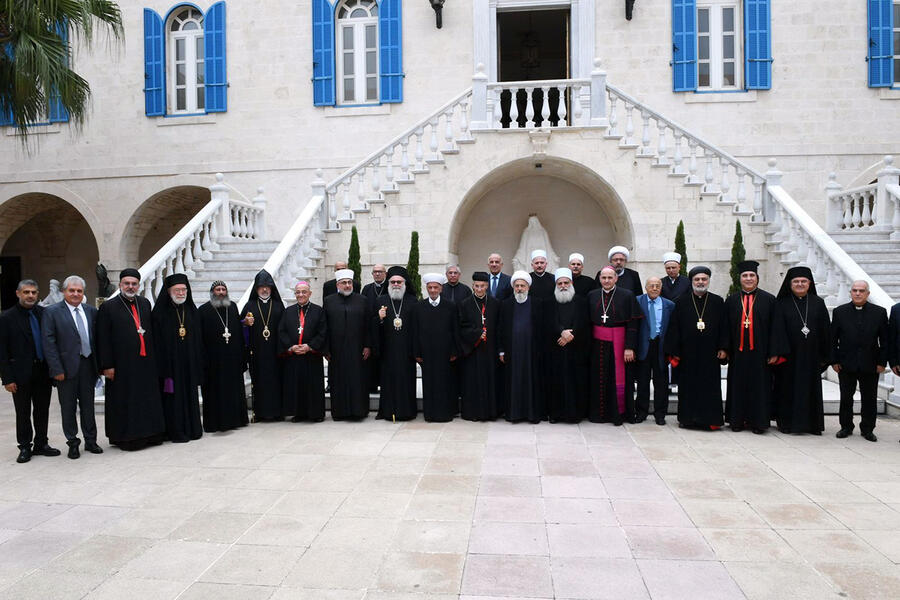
(181, 360)
(330, 287)
(373, 293)
(674, 290)
(584, 285)
(398, 365)
(629, 280)
(750, 400)
(349, 322)
(567, 372)
(798, 382)
(434, 344)
(478, 363)
(700, 386)
(542, 286)
(224, 397)
(265, 364)
(521, 341)
(455, 293)
(303, 390)
(133, 409)
(623, 311)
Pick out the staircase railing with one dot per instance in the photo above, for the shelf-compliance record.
(871, 208)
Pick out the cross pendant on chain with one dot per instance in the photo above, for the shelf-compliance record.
(226, 335)
(604, 318)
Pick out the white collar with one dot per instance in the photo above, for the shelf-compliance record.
(434, 302)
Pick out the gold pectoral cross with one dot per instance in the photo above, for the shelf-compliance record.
(226, 335)
(747, 323)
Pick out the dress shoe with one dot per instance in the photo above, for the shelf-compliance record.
(93, 448)
(758, 431)
(640, 418)
(47, 450)
(870, 436)
(843, 433)
(737, 428)
(24, 455)
(73, 452)
(661, 421)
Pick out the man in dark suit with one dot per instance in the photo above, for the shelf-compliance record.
(894, 339)
(499, 286)
(68, 332)
(859, 340)
(650, 356)
(330, 286)
(23, 371)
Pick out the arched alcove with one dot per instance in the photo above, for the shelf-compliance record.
(157, 219)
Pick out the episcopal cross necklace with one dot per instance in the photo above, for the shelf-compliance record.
(398, 322)
(803, 318)
(181, 329)
(137, 319)
(700, 324)
(606, 306)
(225, 335)
(265, 332)
(747, 310)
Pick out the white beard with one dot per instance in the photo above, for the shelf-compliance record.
(700, 289)
(345, 292)
(564, 296)
(397, 293)
(177, 301)
(129, 294)
(264, 299)
(521, 297)
(220, 301)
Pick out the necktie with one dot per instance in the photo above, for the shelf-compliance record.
(653, 330)
(494, 286)
(36, 334)
(82, 333)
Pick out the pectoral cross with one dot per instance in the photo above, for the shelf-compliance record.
(300, 330)
(141, 331)
(604, 318)
(226, 335)
(747, 323)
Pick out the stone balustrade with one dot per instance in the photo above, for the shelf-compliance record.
(874, 207)
(552, 103)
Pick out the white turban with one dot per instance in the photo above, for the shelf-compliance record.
(538, 253)
(433, 278)
(563, 272)
(520, 275)
(671, 257)
(576, 256)
(343, 274)
(618, 250)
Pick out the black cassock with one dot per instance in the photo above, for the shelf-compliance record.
(303, 390)
(349, 322)
(610, 375)
(224, 398)
(265, 364)
(435, 342)
(750, 398)
(673, 290)
(398, 366)
(584, 285)
(521, 341)
(372, 292)
(478, 363)
(542, 286)
(133, 409)
(798, 382)
(629, 280)
(181, 360)
(455, 293)
(567, 373)
(700, 384)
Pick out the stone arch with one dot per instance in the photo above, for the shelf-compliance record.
(579, 209)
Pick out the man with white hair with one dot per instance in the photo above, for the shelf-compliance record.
(520, 351)
(625, 278)
(582, 283)
(394, 344)
(302, 339)
(435, 346)
(453, 289)
(349, 321)
(478, 316)
(674, 284)
(568, 351)
(542, 285)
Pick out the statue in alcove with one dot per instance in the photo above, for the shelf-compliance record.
(534, 237)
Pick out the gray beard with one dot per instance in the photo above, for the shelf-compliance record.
(521, 297)
(178, 301)
(564, 296)
(345, 292)
(129, 294)
(699, 291)
(220, 301)
(264, 300)
(397, 293)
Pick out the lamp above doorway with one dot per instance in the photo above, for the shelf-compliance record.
(438, 6)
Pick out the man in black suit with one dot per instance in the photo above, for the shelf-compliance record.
(499, 286)
(68, 332)
(859, 339)
(330, 286)
(23, 371)
(894, 339)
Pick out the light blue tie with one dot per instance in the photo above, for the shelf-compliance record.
(82, 333)
(653, 330)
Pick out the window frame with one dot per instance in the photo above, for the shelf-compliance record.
(716, 35)
(360, 50)
(191, 38)
(895, 38)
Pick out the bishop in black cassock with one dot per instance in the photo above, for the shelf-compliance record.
(693, 343)
(179, 358)
(224, 397)
(373, 293)
(125, 348)
(394, 341)
(521, 351)
(453, 289)
(478, 316)
(349, 321)
(798, 381)
(435, 347)
(302, 340)
(261, 316)
(568, 340)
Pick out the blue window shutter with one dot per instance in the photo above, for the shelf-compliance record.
(56, 111)
(154, 65)
(684, 45)
(390, 31)
(323, 53)
(880, 56)
(757, 45)
(6, 116)
(214, 56)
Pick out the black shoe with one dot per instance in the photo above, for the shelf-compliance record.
(870, 436)
(24, 455)
(47, 450)
(843, 433)
(661, 421)
(73, 452)
(640, 418)
(758, 431)
(94, 448)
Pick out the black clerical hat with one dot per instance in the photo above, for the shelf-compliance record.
(748, 265)
(699, 269)
(264, 278)
(480, 276)
(398, 270)
(177, 278)
(130, 272)
(793, 273)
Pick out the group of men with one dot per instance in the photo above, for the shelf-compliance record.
(529, 346)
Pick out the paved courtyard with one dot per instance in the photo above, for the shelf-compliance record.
(421, 511)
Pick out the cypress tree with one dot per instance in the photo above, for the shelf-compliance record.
(737, 255)
(353, 256)
(412, 265)
(681, 248)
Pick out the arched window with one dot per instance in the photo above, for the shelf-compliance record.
(184, 41)
(357, 51)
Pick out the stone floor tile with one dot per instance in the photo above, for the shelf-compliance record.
(705, 489)
(562, 451)
(400, 465)
(337, 463)
(861, 581)
(497, 575)
(308, 504)
(281, 530)
(446, 537)
(682, 579)
(84, 519)
(397, 448)
(361, 534)
(237, 500)
(670, 451)
(804, 470)
(33, 550)
(177, 560)
(832, 546)
(835, 492)
(328, 482)
(519, 510)
(415, 571)
(733, 514)
(586, 541)
(509, 485)
(489, 537)
(431, 483)
(450, 447)
(797, 516)
(597, 578)
(289, 593)
(637, 489)
(496, 465)
(766, 490)
(672, 470)
(335, 568)
(567, 468)
(641, 469)
(573, 487)
(668, 542)
(253, 565)
(455, 465)
(440, 507)
(388, 482)
(521, 450)
(99, 555)
(374, 505)
(386, 595)
(42, 585)
(25, 515)
(885, 541)
(865, 516)
(119, 587)
(749, 545)
(647, 512)
(579, 510)
(270, 480)
(781, 581)
(885, 491)
(865, 471)
(223, 528)
(226, 591)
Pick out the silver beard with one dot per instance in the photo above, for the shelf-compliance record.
(564, 296)
(129, 294)
(345, 292)
(176, 300)
(699, 289)
(220, 301)
(521, 297)
(397, 293)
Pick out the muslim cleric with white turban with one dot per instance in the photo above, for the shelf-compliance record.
(583, 283)
(627, 278)
(673, 284)
(435, 348)
(567, 322)
(520, 348)
(541, 284)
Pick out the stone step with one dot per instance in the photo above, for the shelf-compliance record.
(222, 258)
(875, 267)
(248, 245)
